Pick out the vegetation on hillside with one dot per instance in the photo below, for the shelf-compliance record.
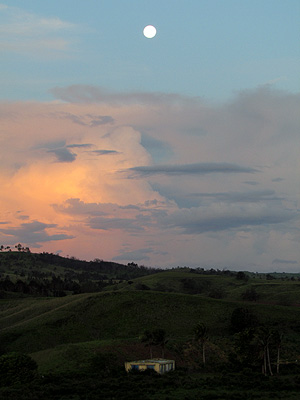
(47, 274)
(68, 324)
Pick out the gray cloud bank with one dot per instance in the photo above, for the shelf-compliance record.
(279, 261)
(196, 221)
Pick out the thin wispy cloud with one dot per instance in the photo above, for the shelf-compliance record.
(239, 197)
(138, 255)
(91, 120)
(92, 94)
(190, 169)
(104, 152)
(280, 261)
(24, 32)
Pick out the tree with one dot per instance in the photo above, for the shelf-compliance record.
(250, 295)
(148, 339)
(245, 350)
(277, 340)
(157, 337)
(241, 276)
(201, 337)
(19, 247)
(263, 337)
(160, 339)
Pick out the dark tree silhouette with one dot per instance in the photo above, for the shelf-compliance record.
(160, 339)
(201, 337)
(148, 339)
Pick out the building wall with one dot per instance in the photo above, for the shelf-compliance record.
(159, 367)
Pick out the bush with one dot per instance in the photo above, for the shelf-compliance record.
(250, 295)
(16, 368)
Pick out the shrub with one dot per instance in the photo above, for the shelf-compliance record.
(16, 368)
(250, 295)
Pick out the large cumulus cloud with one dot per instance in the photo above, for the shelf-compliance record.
(159, 177)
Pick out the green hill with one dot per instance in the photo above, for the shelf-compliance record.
(47, 274)
(221, 286)
(34, 324)
(76, 335)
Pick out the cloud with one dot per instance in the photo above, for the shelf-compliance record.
(34, 233)
(279, 261)
(25, 32)
(240, 197)
(251, 183)
(277, 179)
(158, 149)
(83, 145)
(190, 169)
(104, 152)
(63, 155)
(107, 216)
(93, 94)
(221, 218)
(190, 200)
(52, 145)
(90, 120)
(206, 189)
(135, 255)
(79, 207)
(111, 223)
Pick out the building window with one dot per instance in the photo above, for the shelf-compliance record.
(150, 366)
(134, 367)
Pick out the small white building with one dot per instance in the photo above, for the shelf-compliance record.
(159, 365)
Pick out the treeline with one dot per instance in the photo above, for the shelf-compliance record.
(54, 287)
(244, 276)
(19, 262)
(48, 274)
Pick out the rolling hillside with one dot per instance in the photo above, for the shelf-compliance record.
(62, 332)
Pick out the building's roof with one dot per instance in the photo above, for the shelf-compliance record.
(152, 360)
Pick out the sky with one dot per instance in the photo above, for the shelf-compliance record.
(181, 150)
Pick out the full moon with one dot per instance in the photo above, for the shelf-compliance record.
(149, 31)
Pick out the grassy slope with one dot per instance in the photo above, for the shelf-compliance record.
(35, 324)
(65, 333)
(273, 291)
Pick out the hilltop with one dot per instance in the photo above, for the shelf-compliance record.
(48, 274)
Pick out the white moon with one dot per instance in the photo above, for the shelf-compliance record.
(149, 31)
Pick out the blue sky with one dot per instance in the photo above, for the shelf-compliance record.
(205, 48)
(177, 150)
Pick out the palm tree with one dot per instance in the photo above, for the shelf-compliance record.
(160, 339)
(263, 337)
(156, 337)
(277, 339)
(148, 339)
(201, 337)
